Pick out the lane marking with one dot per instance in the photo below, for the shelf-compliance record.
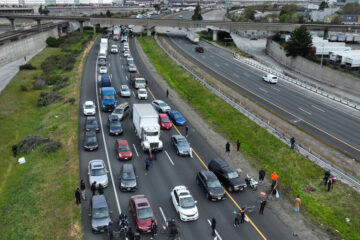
(122, 66)
(136, 150)
(246, 74)
(216, 232)
(111, 76)
(217, 65)
(163, 215)
(282, 109)
(169, 158)
(321, 110)
(126, 78)
(103, 136)
(276, 89)
(109, 64)
(263, 90)
(305, 111)
(235, 75)
(226, 64)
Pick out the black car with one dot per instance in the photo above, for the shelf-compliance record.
(102, 62)
(199, 49)
(127, 179)
(90, 141)
(211, 185)
(100, 214)
(92, 124)
(227, 175)
(114, 125)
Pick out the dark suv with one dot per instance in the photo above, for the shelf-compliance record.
(199, 49)
(211, 185)
(114, 125)
(100, 214)
(227, 175)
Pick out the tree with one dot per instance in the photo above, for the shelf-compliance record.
(336, 19)
(197, 13)
(157, 7)
(291, 8)
(249, 13)
(299, 43)
(351, 8)
(108, 13)
(323, 5)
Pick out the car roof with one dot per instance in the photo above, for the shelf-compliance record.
(163, 115)
(99, 201)
(90, 133)
(122, 105)
(220, 161)
(103, 67)
(128, 167)
(125, 86)
(97, 162)
(179, 137)
(122, 142)
(113, 117)
(142, 89)
(90, 118)
(159, 101)
(140, 201)
(208, 174)
(182, 191)
(89, 103)
(174, 111)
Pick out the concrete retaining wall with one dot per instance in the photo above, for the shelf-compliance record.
(15, 50)
(310, 69)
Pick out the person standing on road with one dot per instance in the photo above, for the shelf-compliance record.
(130, 234)
(153, 229)
(238, 145)
(101, 189)
(227, 147)
(111, 230)
(213, 226)
(82, 188)
(292, 142)
(262, 207)
(262, 174)
(167, 92)
(242, 213)
(237, 218)
(147, 164)
(186, 130)
(93, 188)
(297, 204)
(78, 196)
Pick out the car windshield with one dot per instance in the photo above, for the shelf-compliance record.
(115, 124)
(119, 110)
(187, 202)
(89, 106)
(142, 91)
(232, 175)
(128, 176)
(124, 148)
(125, 89)
(213, 184)
(145, 213)
(140, 81)
(162, 104)
(98, 172)
(91, 139)
(100, 212)
(165, 120)
(109, 97)
(178, 115)
(103, 68)
(92, 122)
(151, 134)
(182, 143)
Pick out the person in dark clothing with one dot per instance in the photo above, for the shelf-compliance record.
(153, 229)
(262, 174)
(326, 177)
(238, 145)
(172, 230)
(227, 147)
(292, 142)
(101, 189)
(242, 213)
(237, 219)
(82, 188)
(130, 234)
(93, 188)
(262, 207)
(14, 149)
(213, 226)
(78, 196)
(330, 182)
(186, 131)
(111, 230)
(147, 164)
(167, 93)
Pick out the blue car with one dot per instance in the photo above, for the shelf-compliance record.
(176, 117)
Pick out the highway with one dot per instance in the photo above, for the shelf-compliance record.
(168, 171)
(331, 122)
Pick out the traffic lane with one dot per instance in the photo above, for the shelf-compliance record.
(199, 144)
(336, 122)
(88, 93)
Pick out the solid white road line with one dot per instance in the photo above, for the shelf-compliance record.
(321, 110)
(217, 234)
(163, 215)
(122, 66)
(217, 65)
(305, 111)
(169, 158)
(235, 75)
(136, 150)
(105, 147)
(276, 89)
(263, 90)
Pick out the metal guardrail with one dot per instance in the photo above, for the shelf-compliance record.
(303, 150)
(282, 75)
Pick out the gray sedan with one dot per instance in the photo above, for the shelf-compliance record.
(181, 145)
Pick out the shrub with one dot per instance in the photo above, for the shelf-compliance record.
(39, 84)
(71, 101)
(54, 79)
(52, 42)
(27, 66)
(23, 88)
(47, 98)
(51, 146)
(28, 144)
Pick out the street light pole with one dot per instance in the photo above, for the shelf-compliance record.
(322, 55)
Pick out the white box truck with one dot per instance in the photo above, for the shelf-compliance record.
(147, 128)
(193, 37)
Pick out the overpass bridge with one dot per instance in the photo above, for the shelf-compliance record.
(149, 24)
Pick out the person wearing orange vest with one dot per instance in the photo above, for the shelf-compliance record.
(274, 178)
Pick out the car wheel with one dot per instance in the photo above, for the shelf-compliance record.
(177, 152)
(207, 196)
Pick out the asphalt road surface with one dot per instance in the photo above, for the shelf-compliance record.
(329, 121)
(168, 171)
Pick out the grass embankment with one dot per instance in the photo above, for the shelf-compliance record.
(328, 209)
(37, 198)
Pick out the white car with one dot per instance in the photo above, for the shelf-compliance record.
(142, 94)
(97, 172)
(129, 60)
(270, 78)
(184, 204)
(125, 91)
(103, 70)
(160, 106)
(126, 53)
(132, 68)
(89, 108)
(114, 49)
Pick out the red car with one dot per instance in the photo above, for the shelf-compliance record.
(122, 149)
(164, 121)
(142, 213)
